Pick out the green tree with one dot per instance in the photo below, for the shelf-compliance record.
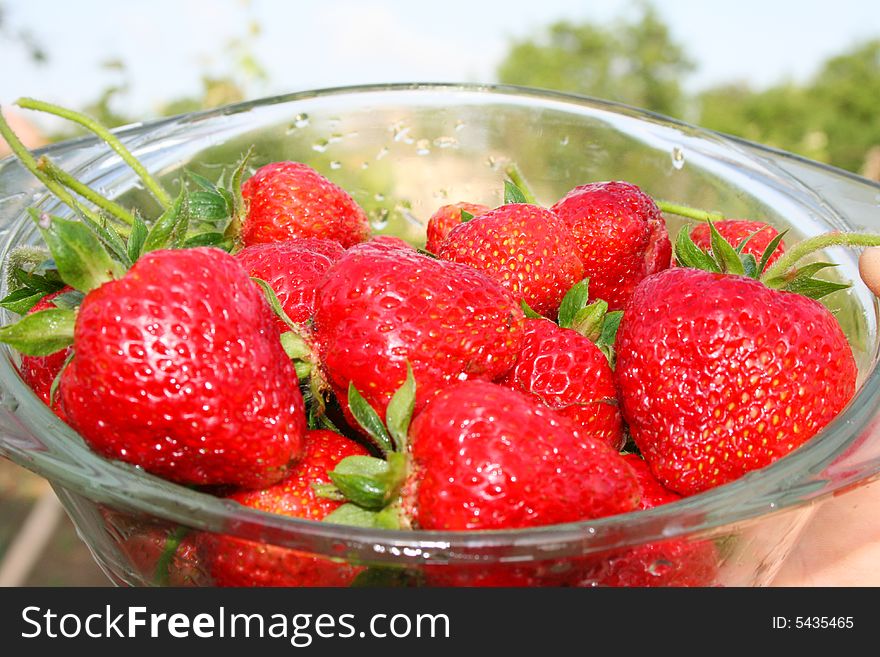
(636, 62)
(831, 118)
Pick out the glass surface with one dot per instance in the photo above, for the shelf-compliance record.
(402, 151)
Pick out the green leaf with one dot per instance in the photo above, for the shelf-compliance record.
(208, 239)
(527, 310)
(169, 231)
(115, 244)
(235, 183)
(201, 181)
(750, 265)
(815, 288)
(137, 238)
(275, 304)
(724, 253)
(207, 206)
(22, 300)
(769, 250)
(47, 282)
(512, 193)
(573, 301)
(588, 321)
(466, 216)
(163, 563)
(400, 410)
(368, 419)
(352, 514)
(688, 254)
(804, 283)
(82, 260)
(69, 300)
(367, 481)
(328, 492)
(53, 389)
(609, 328)
(41, 333)
(295, 346)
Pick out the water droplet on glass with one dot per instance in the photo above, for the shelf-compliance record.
(564, 141)
(320, 145)
(677, 158)
(365, 165)
(301, 120)
(401, 133)
(441, 193)
(446, 142)
(460, 125)
(379, 218)
(492, 162)
(334, 138)
(423, 147)
(382, 153)
(379, 196)
(336, 164)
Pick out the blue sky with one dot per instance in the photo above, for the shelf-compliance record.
(165, 44)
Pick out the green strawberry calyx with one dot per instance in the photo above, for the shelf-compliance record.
(370, 486)
(591, 319)
(723, 257)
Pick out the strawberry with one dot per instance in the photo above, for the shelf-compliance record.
(677, 562)
(381, 306)
(448, 217)
(620, 236)
(487, 457)
(39, 372)
(759, 236)
(290, 199)
(178, 369)
(159, 553)
(293, 269)
(238, 562)
(523, 247)
(719, 375)
(569, 373)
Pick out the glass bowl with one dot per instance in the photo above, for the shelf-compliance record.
(402, 151)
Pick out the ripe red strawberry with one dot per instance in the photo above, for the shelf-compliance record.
(719, 374)
(293, 269)
(735, 231)
(676, 562)
(621, 237)
(523, 247)
(178, 369)
(446, 218)
(158, 554)
(237, 562)
(569, 373)
(487, 457)
(39, 372)
(381, 306)
(290, 199)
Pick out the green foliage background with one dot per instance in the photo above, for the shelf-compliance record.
(833, 117)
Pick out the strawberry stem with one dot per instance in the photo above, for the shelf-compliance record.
(105, 135)
(516, 176)
(27, 160)
(813, 244)
(59, 175)
(687, 211)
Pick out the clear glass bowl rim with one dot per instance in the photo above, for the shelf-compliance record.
(790, 482)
